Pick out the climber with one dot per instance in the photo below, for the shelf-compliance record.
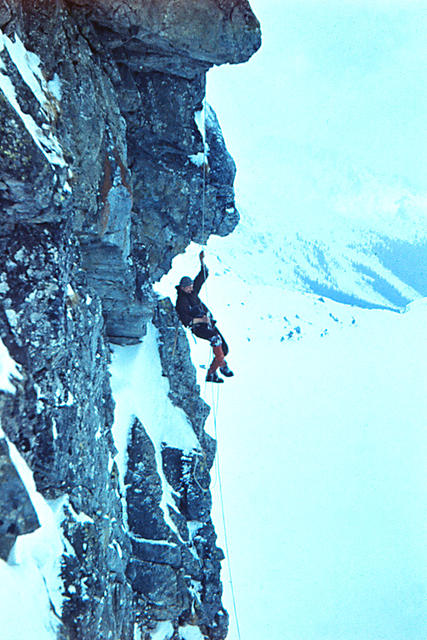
(194, 314)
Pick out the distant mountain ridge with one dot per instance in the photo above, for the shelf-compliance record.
(369, 270)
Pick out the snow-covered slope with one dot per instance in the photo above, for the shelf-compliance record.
(321, 453)
(352, 263)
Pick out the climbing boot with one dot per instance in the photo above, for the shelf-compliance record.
(213, 377)
(226, 371)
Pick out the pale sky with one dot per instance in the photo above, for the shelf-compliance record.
(328, 119)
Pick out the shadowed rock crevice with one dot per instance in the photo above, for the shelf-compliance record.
(17, 514)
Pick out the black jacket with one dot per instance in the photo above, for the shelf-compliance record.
(189, 305)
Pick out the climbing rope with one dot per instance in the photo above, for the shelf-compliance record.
(224, 525)
(216, 403)
(204, 166)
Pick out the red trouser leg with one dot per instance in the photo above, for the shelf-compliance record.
(218, 361)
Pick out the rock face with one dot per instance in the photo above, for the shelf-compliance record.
(110, 165)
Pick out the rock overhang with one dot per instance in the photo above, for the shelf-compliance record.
(133, 130)
(182, 37)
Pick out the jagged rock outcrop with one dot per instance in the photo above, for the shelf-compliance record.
(17, 514)
(175, 563)
(106, 173)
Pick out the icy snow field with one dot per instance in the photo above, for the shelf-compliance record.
(322, 451)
